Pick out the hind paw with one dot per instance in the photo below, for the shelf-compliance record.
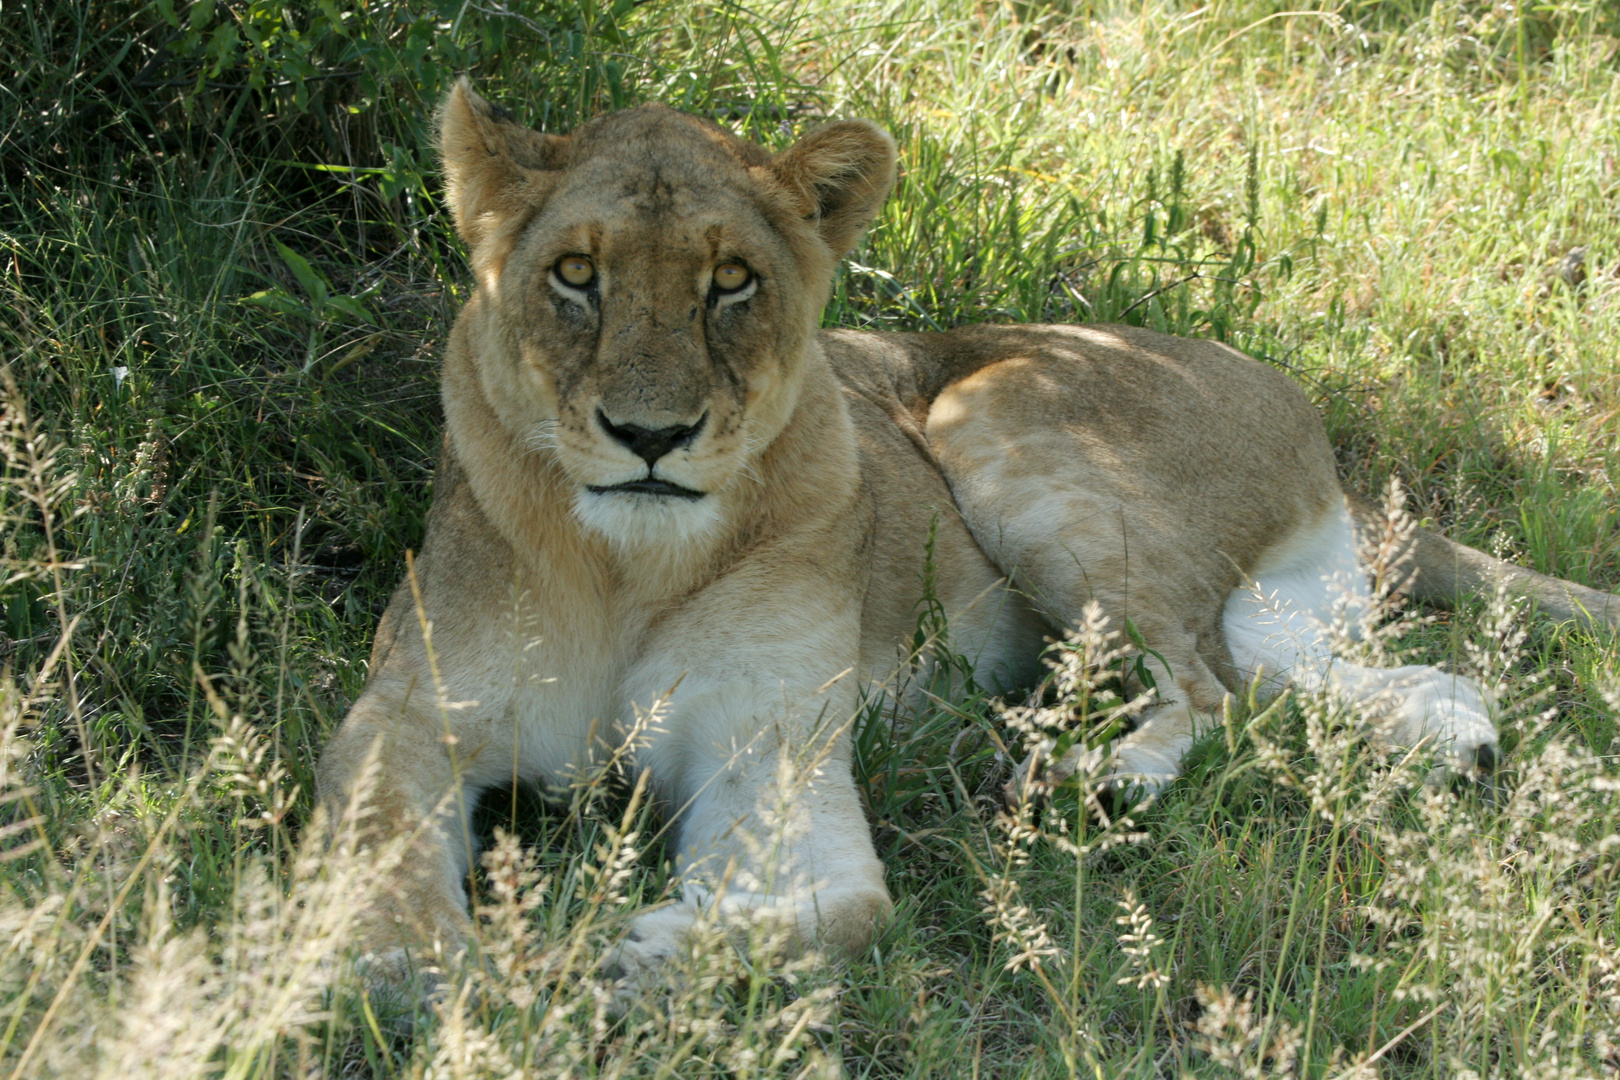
(1424, 706)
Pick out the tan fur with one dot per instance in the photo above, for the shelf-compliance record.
(1153, 474)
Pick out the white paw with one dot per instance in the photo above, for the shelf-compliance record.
(1445, 711)
(668, 942)
(656, 937)
(1145, 767)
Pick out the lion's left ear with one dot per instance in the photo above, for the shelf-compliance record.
(842, 173)
(493, 165)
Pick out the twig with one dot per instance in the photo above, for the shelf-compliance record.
(1387, 1047)
(1160, 289)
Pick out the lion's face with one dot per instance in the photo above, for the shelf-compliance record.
(652, 284)
(662, 307)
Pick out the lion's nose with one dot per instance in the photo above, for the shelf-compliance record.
(650, 444)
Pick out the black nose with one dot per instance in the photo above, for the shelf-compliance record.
(650, 444)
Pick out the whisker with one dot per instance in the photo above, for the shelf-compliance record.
(750, 443)
(541, 436)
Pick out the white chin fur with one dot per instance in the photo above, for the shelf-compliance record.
(636, 519)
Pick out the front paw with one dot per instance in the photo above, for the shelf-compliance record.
(407, 963)
(670, 949)
(706, 940)
(402, 978)
(656, 938)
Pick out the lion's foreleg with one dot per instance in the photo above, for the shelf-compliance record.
(773, 842)
(388, 779)
(784, 834)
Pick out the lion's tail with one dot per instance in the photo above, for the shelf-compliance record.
(1446, 572)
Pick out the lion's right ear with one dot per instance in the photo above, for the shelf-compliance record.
(494, 167)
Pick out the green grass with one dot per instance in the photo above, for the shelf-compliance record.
(226, 280)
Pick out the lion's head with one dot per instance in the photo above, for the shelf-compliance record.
(648, 288)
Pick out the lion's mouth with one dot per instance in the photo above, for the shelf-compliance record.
(646, 486)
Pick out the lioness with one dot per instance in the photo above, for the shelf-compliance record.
(659, 480)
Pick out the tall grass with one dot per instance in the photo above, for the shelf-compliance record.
(226, 280)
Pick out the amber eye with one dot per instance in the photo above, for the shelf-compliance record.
(729, 277)
(576, 270)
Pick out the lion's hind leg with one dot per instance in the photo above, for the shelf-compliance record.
(1071, 523)
(1065, 547)
(1308, 594)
